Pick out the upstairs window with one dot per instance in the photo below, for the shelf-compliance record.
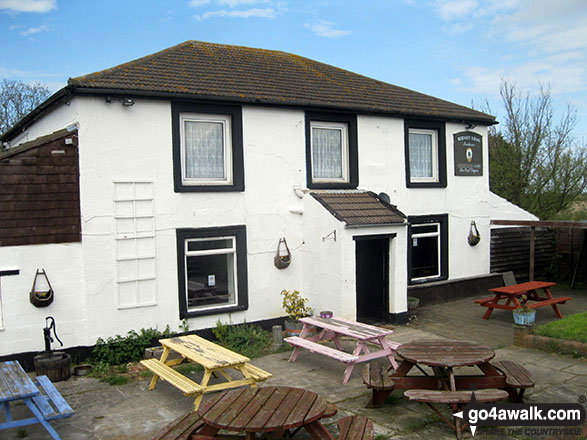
(207, 148)
(331, 151)
(425, 154)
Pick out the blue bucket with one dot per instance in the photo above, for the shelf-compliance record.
(524, 318)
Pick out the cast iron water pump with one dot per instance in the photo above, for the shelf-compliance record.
(50, 324)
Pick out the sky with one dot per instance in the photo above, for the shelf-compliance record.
(457, 50)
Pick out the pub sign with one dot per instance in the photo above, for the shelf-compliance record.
(468, 154)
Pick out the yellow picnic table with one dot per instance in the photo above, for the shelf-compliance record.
(215, 360)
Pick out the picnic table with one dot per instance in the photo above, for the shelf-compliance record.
(275, 409)
(512, 294)
(332, 329)
(215, 360)
(41, 398)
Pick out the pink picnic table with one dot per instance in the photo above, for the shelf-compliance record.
(332, 329)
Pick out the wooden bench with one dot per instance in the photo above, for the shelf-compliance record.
(185, 385)
(314, 347)
(549, 302)
(355, 428)
(256, 373)
(456, 399)
(484, 300)
(376, 377)
(516, 377)
(180, 428)
(50, 402)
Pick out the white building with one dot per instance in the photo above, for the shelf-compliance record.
(195, 161)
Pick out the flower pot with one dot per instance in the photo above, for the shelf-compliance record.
(56, 365)
(293, 328)
(413, 304)
(524, 318)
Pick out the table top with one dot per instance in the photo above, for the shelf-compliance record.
(516, 289)
(204, 352)
(263, 409)
(345, 327)
(15, 383)
(445, 353)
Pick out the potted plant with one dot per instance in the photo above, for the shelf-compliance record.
(295, 307)
(524, 315)
(413, 304)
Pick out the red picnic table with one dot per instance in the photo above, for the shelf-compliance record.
(512, 293)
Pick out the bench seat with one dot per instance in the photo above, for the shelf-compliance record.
(257, 373)
(322, 349)
(355, 428)
(50, 402)
(455, 397)
(484, 301)
(517, 378)
(185, 385)
(549, 302)
(180, 428)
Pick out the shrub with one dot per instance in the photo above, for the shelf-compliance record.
(246, 339)
(119, 350)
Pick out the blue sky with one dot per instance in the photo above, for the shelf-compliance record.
(458, 50)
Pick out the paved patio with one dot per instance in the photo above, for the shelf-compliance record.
(105, 412)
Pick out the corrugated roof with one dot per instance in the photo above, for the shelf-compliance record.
(359, 208)
(217, 71)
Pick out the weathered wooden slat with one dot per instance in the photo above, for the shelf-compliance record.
(180, 428)
(450, 397)
(241, 421)
(516, 375)
(279, 417)
(322, 349)
(304, 406)
(353, 329)
(274, 405)
(204, 352)
(55, 398)
(355, 428)
(186, 385)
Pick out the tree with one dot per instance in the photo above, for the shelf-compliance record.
(17, 99)
(534, 162)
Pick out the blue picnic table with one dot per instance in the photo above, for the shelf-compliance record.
(41, 398)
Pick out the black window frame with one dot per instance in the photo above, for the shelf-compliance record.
(440, 128)
(353, 160)
(240, 233)
(442, 219)
(238, 172)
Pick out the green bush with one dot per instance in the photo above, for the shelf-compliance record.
(119, 350)
(246, 339)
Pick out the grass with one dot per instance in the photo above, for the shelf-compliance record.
(571, 327)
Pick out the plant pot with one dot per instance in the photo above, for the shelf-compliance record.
(294, 328)
(82, 370)
(413, 304)
(524, 318)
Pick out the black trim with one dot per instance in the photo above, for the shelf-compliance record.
(375, 237)
(353, 159)
(238, 169)
(8, 272)
(422, 219)
(240, 232)
(440, 127)
(398, 318)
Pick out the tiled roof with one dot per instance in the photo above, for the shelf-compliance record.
(217, 71)
(359, 208)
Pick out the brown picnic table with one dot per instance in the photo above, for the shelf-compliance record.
(513, 294)
(274, 409)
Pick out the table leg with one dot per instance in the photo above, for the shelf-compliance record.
(489, 308)
(554, 306)
(31, 405)
(154, 379)
(199, 397)
(318, 431)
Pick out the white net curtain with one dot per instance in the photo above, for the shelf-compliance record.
(204, 152)
(327, 153)
(421, 155)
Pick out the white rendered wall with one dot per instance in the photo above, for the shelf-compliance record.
(501, 209)
(134, 144)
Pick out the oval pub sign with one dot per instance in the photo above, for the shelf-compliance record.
(468, 154)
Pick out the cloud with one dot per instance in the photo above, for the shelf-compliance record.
(235, 3)
(247, 13)
(197, 3)
(451, 9)
(326, 29)
(40, 6)
(34, 30)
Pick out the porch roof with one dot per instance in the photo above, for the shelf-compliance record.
(359, 208)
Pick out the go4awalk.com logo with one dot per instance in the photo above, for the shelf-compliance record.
(527, 415)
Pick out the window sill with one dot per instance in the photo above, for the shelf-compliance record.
(209, 188)
(207, 312)
(426, 185)
(427, 281)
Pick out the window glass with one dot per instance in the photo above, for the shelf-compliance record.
(423, 155)
(204, 145)
(210, 272)
(425, 251)
(329, 151)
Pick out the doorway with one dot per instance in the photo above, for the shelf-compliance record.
(372, 278)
